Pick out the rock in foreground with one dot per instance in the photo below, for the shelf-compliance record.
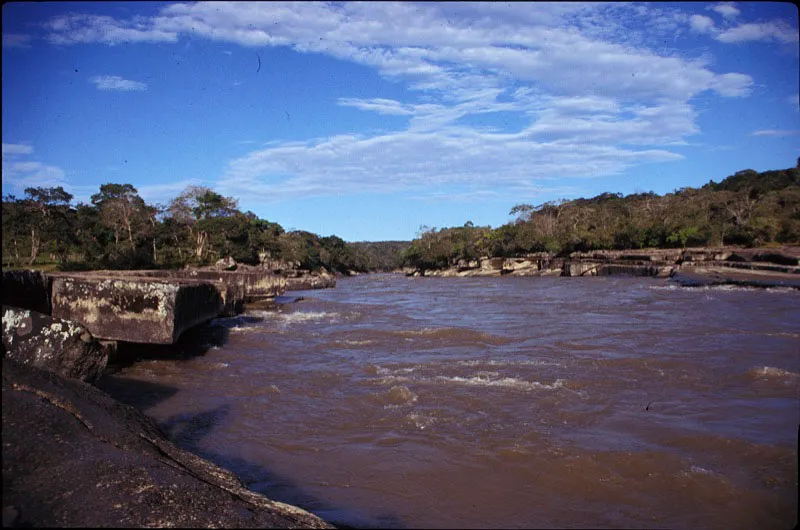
(59, 346)
(73, 456)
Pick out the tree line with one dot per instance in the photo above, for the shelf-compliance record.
(119, 230)
(748, 209)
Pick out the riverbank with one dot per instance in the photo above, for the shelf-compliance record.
(691, 267)
(72, 455)
(126, 472)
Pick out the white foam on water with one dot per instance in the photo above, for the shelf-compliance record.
(392, 379)
(771, 372)
(723, 287)
(784, 334)
(307, 316)
(244, 329)
(667, 287)
(293, 316)
(355, 342)
(782, 290)
(495, 362)
(695, 471)
(506, 382)
(420, 421)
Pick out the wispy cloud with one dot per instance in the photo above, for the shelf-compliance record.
(163, 193)
(17, 149)
(776, 132)
(726, 9)
(115, 82)
(702, 23)
(770, 31)
(421, 160)
(777, 30)
(590, 85)
(78, 28)
(16, 40)
(20, 173)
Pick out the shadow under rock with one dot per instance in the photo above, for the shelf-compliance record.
(187, 431)
(194, 342)
(136, 393)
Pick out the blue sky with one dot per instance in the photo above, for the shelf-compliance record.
(368, 120)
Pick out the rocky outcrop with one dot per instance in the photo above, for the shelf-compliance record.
(134, 309)
(52, 344)
(74, 457)
(702, 276)
(305, 280)
(661, 263)
(148, 306)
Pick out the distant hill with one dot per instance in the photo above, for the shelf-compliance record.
(379, 255)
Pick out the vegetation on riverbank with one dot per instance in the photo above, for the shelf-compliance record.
(119, 230)
(748, 209)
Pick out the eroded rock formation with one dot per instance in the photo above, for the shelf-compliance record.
(60, 346)
(693, 266)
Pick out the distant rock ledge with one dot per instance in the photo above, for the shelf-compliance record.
(758, 267)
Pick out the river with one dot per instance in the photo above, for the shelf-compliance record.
(537, 402)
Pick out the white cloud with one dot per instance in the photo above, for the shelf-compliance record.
(435, 47)
(701, 23)
(115, 82)
(766, 31)
(16, 40)
(771, 31)
(73, 29)
(726, 9)
(19, 172)
(776, 132)
(591, 86)
(17, 149)
(162, 193)
(21, 175)
(379, 105)
(422, 160)
(733, 85)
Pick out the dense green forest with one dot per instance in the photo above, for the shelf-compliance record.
(748, 209)
(119, 230)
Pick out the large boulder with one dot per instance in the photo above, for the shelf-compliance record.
(133, 307)
(75, 457)
(60, 346)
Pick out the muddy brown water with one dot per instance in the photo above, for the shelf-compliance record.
(401, 402)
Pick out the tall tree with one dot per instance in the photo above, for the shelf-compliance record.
(120, 209)
(46, 209)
